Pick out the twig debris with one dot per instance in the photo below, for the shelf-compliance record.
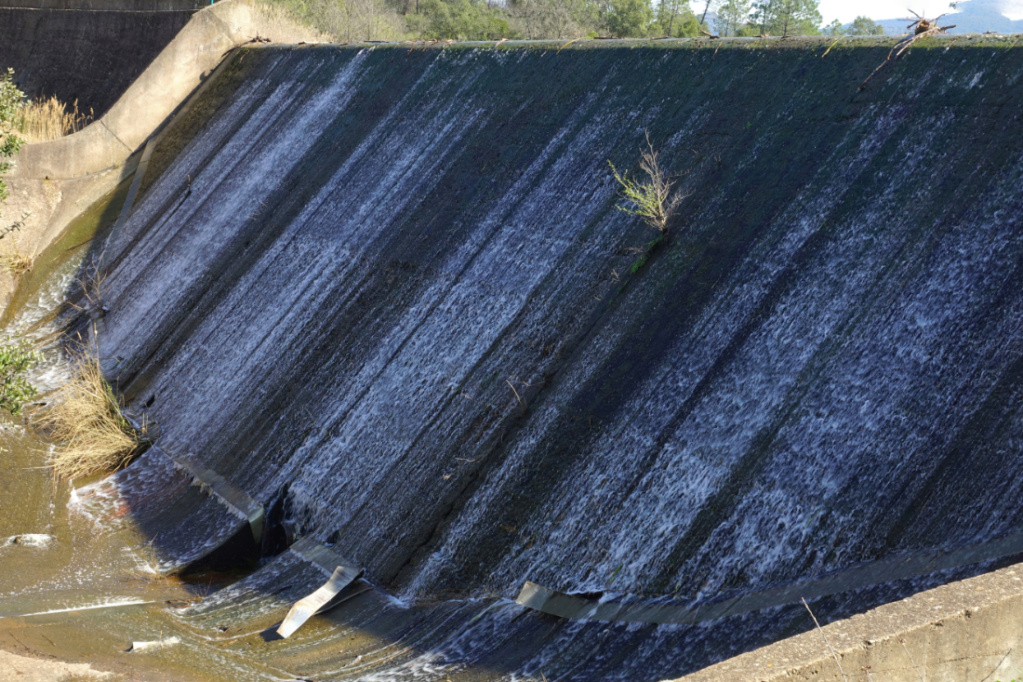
(921, 29)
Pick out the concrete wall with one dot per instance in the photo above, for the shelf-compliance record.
(109, 5)
(967, 630)
(55, 181)
(80, 52)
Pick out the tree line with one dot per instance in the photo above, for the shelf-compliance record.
(356, 20)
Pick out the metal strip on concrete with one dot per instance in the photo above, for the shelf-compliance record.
(319, 554)
(227, 493)
(319, 601)
(585, 607)
(342, 574)
(136, 181)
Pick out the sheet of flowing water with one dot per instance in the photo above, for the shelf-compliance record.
(386, 292)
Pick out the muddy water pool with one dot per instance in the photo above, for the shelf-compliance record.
(77, 579)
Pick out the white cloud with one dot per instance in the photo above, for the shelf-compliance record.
(847, 10)
(1012, 9)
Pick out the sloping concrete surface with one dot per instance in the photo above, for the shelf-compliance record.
(964, 631)
(368, 243)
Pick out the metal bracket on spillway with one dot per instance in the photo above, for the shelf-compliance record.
(579, 607)
(233, 497)
(341, 571)
(584, 607)
(342, 574)
(314, 552)
(881, 571)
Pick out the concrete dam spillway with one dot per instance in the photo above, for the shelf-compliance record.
(384, 294)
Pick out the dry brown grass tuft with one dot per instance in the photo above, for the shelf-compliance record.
(50, 119)
(85, 421)
(285, 24)
(14, 260)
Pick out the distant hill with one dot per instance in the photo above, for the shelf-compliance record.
(972, 16)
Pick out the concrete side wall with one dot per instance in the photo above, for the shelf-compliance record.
(159, 90)
(968, 630)
(110, 5)
(84, 55)
(52, 182)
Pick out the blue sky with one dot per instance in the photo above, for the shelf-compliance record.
(847, 10)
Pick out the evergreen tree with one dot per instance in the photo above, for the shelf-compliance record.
(863, 26)
(676, 19)
(834, 29)
(458, 20)
(787, 17)
(540, 19)
(733, 16)
(625, 18)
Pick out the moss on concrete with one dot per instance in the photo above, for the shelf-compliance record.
(184, 126)
(77, 237)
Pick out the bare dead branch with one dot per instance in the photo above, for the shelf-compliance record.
(923, 28)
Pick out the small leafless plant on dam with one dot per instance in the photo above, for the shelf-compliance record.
(13, 259)
(921, 27)
(652, 199)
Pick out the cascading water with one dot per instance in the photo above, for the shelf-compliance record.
(386, 291)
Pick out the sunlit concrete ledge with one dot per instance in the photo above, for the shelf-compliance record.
(966, 630)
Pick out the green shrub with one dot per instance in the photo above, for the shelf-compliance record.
(458, 20)
(15, 389)
(652, 199)
(10, 103)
